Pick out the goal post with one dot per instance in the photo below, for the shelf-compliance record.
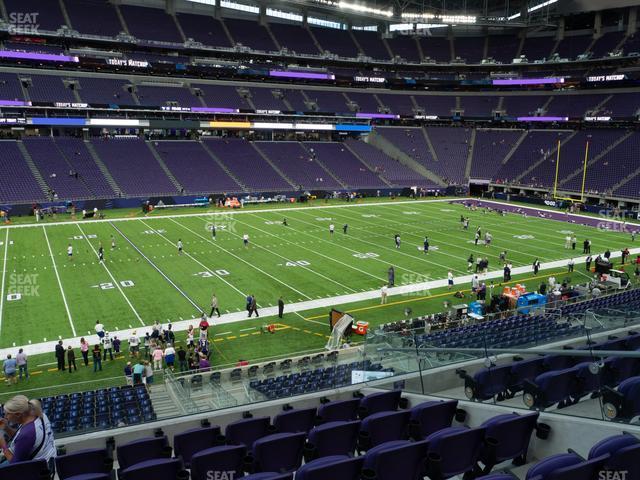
(584, 174)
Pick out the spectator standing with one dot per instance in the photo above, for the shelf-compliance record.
(571, 265)
(588, 261)
(9, 368)
(157, 358)
(21, 361)
(107, 344)
(148, 373)
(383, 294)
(138, 374)
(71, 358)
(254, 306)
(84, 350)
(60, 356)
(97, 358)
(170, 356)
(134, 345)
(147, 344)
(182, 359)
(203, 364)
(116, 345)
(128, 373)
(280, 307)
(214, 306)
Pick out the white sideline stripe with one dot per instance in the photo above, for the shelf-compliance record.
(157, 269)
(236, 212)
(4, 273)
(115, 282)
(217, 245)
(323, 207)
(241, 316)
(55, 269)
(197, 261)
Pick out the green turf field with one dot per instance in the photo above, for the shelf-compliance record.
(46, 296)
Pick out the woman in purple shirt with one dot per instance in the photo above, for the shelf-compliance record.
(33, 439)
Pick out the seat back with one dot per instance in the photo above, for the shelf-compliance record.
(225, 458)
(455, 450)
(344, 410)
(491, 381)
(384, 427)
(294, 421)
(187, 443)
(141, 450)
(587, 470)
(334, 467)
(379, 402)
(512, 433)
(334, 438)
(32, 469)
(158, 469)
(246, 431)
(95, 460)
(280, 452)
(399, 460)
(429, 417)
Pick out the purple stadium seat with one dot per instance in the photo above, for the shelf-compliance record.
(83, 13)
(454, 451)
(429, 417)
(158, 469)
(279, 452)
(397, 460)
(566, 466)
(335, 467)
(151, 24)
(550, 388)
(339, 410)
(382, 427)
(294, 421)
(145, 449)
(623, 403)
(33, 469)
(192, 441)
(246, 431)
(379, 402)
(96, 461)
(332, 438)
(624, 451)
(510, 434)
(226, 458)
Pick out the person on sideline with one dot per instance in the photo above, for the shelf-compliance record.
(84, 350)
(21, 360)
(71, 358)
(33, 439)
(60, 355)
(9, 367)
(97, 358)
(383, 294)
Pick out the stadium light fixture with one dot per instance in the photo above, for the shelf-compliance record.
(532, 9)
(356, 7)
(443, 19)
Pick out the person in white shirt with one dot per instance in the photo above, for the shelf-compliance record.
(99, 329)
(332, 227)
(179, 247)
(70, 253)
(383, 294)
(567, 241)
(245, 240)
(134, 344)
(450, 279)
(475, 283)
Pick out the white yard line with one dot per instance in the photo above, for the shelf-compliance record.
(241, 316)
(4, 272)
(187, 297)
(197, 261)
(115, 282)
(300, 266)
(315, 252)
(55, 269)
(241, 259)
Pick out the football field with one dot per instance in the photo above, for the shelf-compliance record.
(48, 295)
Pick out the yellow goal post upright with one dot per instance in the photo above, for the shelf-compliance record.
(584, 174)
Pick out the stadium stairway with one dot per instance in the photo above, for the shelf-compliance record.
(34, 170)
(103, 168)
(543, 159)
